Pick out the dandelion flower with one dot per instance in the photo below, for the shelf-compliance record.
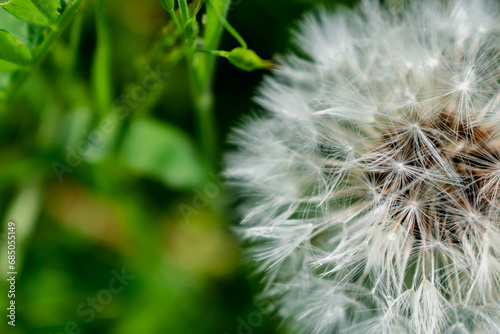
(372, 179)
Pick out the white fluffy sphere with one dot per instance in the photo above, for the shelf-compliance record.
(372, 180)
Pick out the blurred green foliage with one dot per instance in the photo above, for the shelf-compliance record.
(111, 140)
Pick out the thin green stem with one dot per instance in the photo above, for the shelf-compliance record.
(196, 7)
(203, 103)
(207, 125)
(218, 53)
(74, 42)
(203, 76)
(73, 49)
(177, 22)
(101, 73)
(229, 27)
(41, 52)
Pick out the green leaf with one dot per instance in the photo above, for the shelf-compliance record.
(164, 152)
(4, 82)
(7, 66)
(41, 12)
(41, 51)
(49, 8)
(15, 26)
(12, 50)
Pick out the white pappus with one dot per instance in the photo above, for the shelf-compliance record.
(372, 180)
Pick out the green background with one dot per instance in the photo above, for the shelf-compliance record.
(144, 199)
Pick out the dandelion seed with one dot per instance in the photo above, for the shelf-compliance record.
(373, 185)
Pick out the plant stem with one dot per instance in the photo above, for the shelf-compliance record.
(101, 73)
(74, 43)
(177, 22)
(202, 76)
(184, 11)
(229, 27)
(40, 54)
(218, 53)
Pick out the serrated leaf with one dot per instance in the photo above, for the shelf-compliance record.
(164, 152)
(41, 12)
(12, 50)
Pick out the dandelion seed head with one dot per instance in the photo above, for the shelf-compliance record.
(373, 183)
